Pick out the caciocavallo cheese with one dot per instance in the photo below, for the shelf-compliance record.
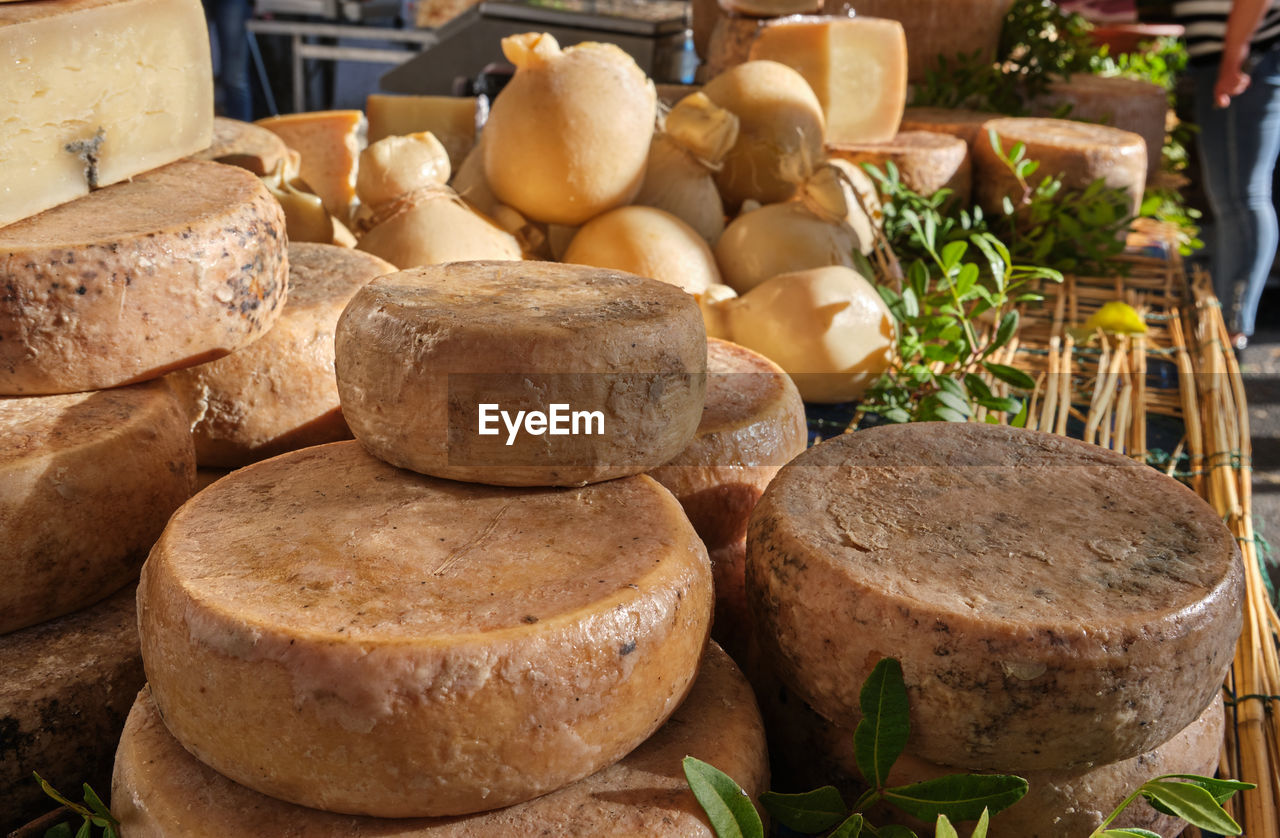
(181, 265)
(1053, 604)
(87, 482)
(332, 631)
(96, 91)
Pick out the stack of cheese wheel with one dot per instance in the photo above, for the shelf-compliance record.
(1060, 612)
(123, 261)
(421, 631)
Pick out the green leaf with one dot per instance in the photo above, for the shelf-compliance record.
(881, 735)
(910, 303)
(976, 387)
(95, 803)
(957, 403)
(62, 830)
(85, 830)
(959, 796)
(944, 829)
(728, 807)
(1008, 325)
(1003, 404)
(1129, 832)
(810, 812)
(1192, 803)
(851, 828)
(950, 385)
(1222, 790)
(1010, 375)
(52, 792)
(983, 824)
(952, 253)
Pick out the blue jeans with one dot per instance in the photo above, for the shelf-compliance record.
(1238, 150)
(228, 18)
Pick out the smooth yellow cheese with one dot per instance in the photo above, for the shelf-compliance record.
(926, 161)
(67, 688)
(87, 482)
(136, 70)
(419, 352)
(856, 66)
(279, 392)
(330, 143)
(161, 791)
(330, 630)
(178, 266)
(646, 241)
(452, 119)
(245, 145)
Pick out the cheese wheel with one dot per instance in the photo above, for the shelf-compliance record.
(646, 241)
(1128, 104)
(400, 646)
(67, 687)
(729, 43)
(244, 144)
(447, 369)
(87, 482)
(643, 795)
(279, 392)
(958, 122)
(1076, 152)
(178, 266)
(926, 161)
(1053, 604)
(329, 143)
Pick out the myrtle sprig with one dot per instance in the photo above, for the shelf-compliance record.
(92, 812)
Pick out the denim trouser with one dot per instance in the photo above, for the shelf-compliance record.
(228, 18)
(1238, 149)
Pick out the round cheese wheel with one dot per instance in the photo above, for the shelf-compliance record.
(178, 266)
(279, 392)
(67, 687)
(446, 370)
(1053, 603)
(332, 631)
(1128, 104)
(244, 144)
(926, 161)
(964, 124)
(644, 794)
(1076, 152)
(87, 482)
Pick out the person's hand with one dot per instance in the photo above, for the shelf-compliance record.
(1232, 80)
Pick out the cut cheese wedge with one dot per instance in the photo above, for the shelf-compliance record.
(1053, 604)
(1127, 104)
(857, 67)
(181, 265)
(447, 369)
(246, 145)
(926, 161)
(134, 73)
(67, 687)
(958, 122)
(451, 119)
(330, 143)
(279, 392)
(87, 482)
(397, 645)
(1076, 152)
(645, 795)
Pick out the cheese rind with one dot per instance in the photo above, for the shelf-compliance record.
(279, 392)
(244, 144)
(1124, 103)
(958, 122)
(402, 646)
(67, 687)
(178, 266)
(329, 143)
(136, 70)
(926, 161)
(856, 66)
(87, 482)
(1052, 603)
(644, 794)
(420, 351)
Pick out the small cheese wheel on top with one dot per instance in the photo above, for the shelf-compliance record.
(87, 482)
(178, 266)
(279, 392)
(403, 646)
(926, 161)
(522, 373)
(1053, 604)
(246, 145)
(1128, 104)
(644, 794)
(67, 687)
(1077, 152)
(958, 122)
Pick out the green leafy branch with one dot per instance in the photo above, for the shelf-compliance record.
(1197, 800)
(92, 812)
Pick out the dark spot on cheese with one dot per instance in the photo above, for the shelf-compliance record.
(628, 648)
(530, 619)
(81, 290)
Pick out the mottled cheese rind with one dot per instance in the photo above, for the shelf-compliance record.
(419, 351)
(926, 161)
(87, 482)
(138, 70)
(1124, 103)
(1078, 153)
(244, 144)
(1053, 603)
(178, 266)
(329, 143)
(401, 646)
(857, 67)
(67, 687)
(279, 392)
(958, 122)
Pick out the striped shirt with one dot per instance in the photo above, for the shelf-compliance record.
(1206, 25)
